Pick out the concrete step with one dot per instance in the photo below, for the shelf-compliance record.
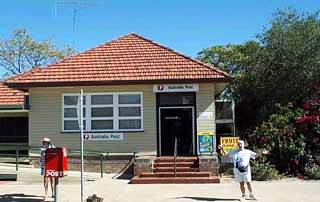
(175, 180)
(179, 174)
(178, 164)
(178, 169)
(178, 159)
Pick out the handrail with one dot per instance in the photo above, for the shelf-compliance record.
(175, 157)
(18, 148)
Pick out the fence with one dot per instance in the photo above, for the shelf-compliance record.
(23, 154)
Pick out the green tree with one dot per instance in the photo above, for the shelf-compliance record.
(21, 52)
(289, 65)
(282, 67)
(240, 61)
(236, 59)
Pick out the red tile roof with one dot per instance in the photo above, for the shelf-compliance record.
(129, 58)
(9, 96)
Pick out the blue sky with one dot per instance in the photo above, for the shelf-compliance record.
(184, 25)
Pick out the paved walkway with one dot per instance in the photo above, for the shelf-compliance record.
(29, 188)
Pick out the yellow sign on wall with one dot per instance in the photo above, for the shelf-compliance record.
(229, 143)
(205, 133)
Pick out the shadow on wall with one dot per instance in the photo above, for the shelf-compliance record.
(20, 198)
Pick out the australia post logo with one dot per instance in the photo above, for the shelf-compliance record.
(160, 87)
(86, 136)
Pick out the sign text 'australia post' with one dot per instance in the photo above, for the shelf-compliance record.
(175, 88)
(103, 136)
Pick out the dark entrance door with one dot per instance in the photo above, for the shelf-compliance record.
(176, 122)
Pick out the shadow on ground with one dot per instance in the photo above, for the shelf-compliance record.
(207, 199)
(20, 198)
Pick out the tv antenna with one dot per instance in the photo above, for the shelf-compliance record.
(77, 5)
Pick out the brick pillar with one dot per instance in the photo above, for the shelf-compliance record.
(209, 164)
(143, 164)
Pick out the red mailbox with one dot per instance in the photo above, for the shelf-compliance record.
(56, 162)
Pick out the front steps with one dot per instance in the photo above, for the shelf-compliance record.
(187, 172)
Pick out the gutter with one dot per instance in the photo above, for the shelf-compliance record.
(13, 108)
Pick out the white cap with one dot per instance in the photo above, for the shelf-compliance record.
(46, 139)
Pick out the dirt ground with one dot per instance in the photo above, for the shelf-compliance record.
(29, 188)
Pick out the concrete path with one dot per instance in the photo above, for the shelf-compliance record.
(29, 188)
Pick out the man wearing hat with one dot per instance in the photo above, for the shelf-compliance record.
(242, 172)
(46, 143)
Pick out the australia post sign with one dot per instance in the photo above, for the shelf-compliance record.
(56, 162)
(175, 88)
(103, 136)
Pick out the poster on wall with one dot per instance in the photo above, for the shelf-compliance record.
(206, 142)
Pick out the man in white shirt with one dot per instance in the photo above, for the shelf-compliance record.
(242, 171)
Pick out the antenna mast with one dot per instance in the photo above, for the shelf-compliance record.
(77, 5)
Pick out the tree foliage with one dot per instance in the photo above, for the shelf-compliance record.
(289, 65)
(21, 52)
(282, 66)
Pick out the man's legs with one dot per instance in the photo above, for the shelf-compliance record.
(45, 184)
(51, 181)
(250, 190)
(243, 191)
(249, 187)
(242, 188)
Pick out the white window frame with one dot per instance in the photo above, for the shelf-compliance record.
(72, 107)
(226, 121)
(116, 118)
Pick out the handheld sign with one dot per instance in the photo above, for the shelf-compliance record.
(229, 144)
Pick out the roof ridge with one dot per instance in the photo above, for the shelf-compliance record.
(183, 55)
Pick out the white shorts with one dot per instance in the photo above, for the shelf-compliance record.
(242, 177)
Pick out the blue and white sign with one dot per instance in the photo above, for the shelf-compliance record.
(103, 136)
(162, 88)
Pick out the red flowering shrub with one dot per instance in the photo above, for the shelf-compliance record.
(293, 137)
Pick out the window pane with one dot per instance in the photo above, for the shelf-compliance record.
(176, 99)
(129, 111)
(130, 124)
(129, 99)
(102, 112)
(223, 110)
(70, 113)
(73, 125)
(72, 100)
(224, 128)
(101, 99)
(102, 124)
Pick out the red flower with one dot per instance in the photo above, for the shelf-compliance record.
(296, 162)
(264, 140)
(289, 134)
(305, 118)
(309, 104)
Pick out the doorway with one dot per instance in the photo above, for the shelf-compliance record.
(176, 122)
